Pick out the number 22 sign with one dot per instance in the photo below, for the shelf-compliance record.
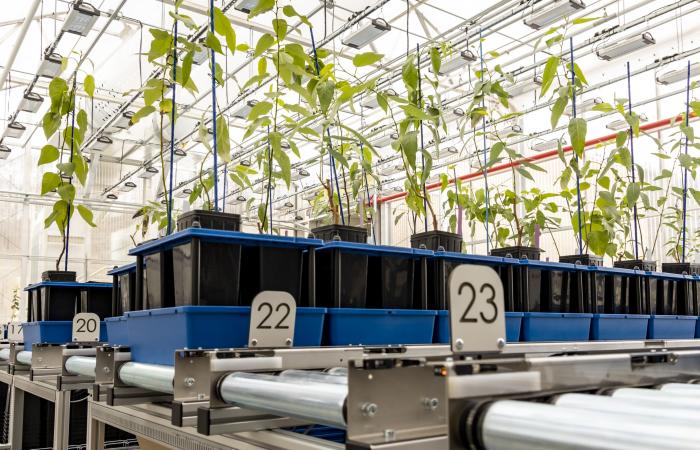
(477, 311)
(272, 320)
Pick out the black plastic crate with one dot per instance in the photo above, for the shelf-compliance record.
(518, 252)
(437, 241)
(97, 300)
(345, 233)
(59, 302)
(58, 275)
(209, 219)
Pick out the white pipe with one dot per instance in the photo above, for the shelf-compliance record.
(681, 388)
(20, 38)
(148, 376)
(604, 403)
(25, 358)
(659, 397)
(5, 354)
(81, 365)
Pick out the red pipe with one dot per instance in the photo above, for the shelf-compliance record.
(545, 155)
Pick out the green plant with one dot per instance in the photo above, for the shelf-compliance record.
(68, 161)
(14, 304)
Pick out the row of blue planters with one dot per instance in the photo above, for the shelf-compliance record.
(154, 335)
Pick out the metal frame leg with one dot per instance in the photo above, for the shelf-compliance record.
(95, 432)
(17, 419)
(61, 420)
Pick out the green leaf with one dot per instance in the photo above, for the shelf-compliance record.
(435, 59)
(82, 119)
(260, 109)
(141, 113)
(580, 20)
(496, 151)
(223, 26)
(558, 110)
(160, 45)
(187, 66)
(265, 42)
(366, 59)
(550, 70)
(67, 192)
(409, 146)
(696, 195)
(262, 7)
(49, 182)
(325, 90)
(89, 85)
(577, 134)
(604, 107)
(57, 88)
(81, 167)
(280, 27)
(223, 142)
(281, 157)
(632, 194)
(66, 168)
(49, 154)
(213, 42)
(86, 214)
(289, 11)
(620, 138)
(51, 123)
(579, 74)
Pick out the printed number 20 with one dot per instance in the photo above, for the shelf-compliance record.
(491, 292)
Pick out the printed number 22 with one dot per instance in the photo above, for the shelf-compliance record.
(489, 301)
(279, 325)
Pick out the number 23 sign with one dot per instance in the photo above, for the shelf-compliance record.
(477, 311)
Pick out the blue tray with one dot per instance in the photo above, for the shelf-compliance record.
(697, 328)
(123, 269)
(358, 326)
(442, 327)
(619, 326)
(53, 332)
(117, 332)
(154, 335)
(545, 327)
(672, 327)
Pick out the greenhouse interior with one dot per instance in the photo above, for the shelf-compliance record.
(224, 223)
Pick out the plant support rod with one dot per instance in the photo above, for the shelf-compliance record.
(213, 110)
(685, 169)
(485, 169)
(631, 132)
(578, 179)
(172, 136)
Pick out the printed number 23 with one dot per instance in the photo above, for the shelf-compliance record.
(490, 296)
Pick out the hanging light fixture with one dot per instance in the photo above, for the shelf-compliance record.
(238, 200)
(148, 172)
(371, 101)
(51, 66)
(259, 188)
(366, 33)
(299, 174)
(621, 124)
(4, 151)
(123, 122)
(112, 196)
(553, 13)
(31, 102)
(584, 106)
(245, 162)
(81, 18)
(128, 186)
(15, 130)
(244, 110)
(390, 169)
(246, 6)
(202, 54)
(675, 76)
(385, 138)
(625, 46)
(458, 61)
(527, 85)
(444, 152)
(102, 143)
(547, 145)
(185, 193)
(390, 190)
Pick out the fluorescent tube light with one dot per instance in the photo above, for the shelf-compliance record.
(81, 18)
(553, 13)
(547, 145)
(458, 61)
(370, 100)
(128, 186)
(527, 85)
(51, 66)
(31, 102)
(366, 33)
(148, 172)
(675, 76)
(390, 169)
(4, 151)
(201, 55)
(244, 110)
(246, 6)
(444, 152)
(625, 46)
(584, 106)
(621, 124)
(15, 130)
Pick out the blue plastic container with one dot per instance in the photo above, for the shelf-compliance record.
(154, 335)
(357, 326)
(442, 327)
(619, 326)
(672, 327)
(53, 332)
(697, 328)
(545, 327)
(117, 332)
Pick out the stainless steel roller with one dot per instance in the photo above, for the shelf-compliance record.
(659, 397)
(510, 424)
(81, 365)
(313, 376)
(148, 376)
(25, 358)
(604, 403)
(338, 371)
(5, 354)
(681, 388)
(322, 403)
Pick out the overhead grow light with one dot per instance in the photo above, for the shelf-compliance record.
(550, 144)
(81, 18)
(185, 193)
(624, 47)
(101, 143)
(444, 152)
(112, 196)
(246, 6)
(390, 190)
(298, 174)
(178, 155)
(370, 101)
(675, 76)
(621, 124)
(15, 130)
(553, 13)
(202, 54)
(458, 61)
(123, 122)
(390, 169)
(527, 85)
(244, 110)
(4, 151)
(128, 186)
(584, 106)
(238, 200)
(366, 33)
(385, 139)
(262, 187)
(148, 172)
(31, 102)
(51, 66)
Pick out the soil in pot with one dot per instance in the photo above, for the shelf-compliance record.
(437, 240)
(214, 220)
(518, 252)
(345, 233)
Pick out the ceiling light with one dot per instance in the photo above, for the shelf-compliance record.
(246, 6)
(675, 76)
(299, 174)
(584, 106)
(625, 46)
(124, 120)
(366, 33)
(178, 155)
(245, 162)
(14, 130)
(385, 138)
(390, 190)
(148, 172)
(51, 66)
(550, 144)
(621, 124)
(284, 205)
(458, 61)
(552, 13)
(202, 54)
(243, 111)
(370, 101)
(101, 143)
(198, 138)
(477, 162)
(111, 196)
(390, 169)
(454, 114)
(81, 19)
(128, 186)
(4, 151)
(31, 102)
(298, 218)
(528, 85)
(309, 196)
(444, 152)
(184, 193)
(262, 187)
(509, 131)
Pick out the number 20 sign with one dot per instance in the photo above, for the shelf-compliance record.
(477, 311)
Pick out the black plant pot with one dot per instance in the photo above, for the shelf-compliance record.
(641, 292)
(97, 301)
(270, 269)
(59, 302)
(34, 305)
(519, 252)
(58, 275)
(437, 240)
(585, 289)
(345, 233)
(126, 300)
(341, 279)
(392, 280)
(637, 264)
(584, 260)
(208, 273)
(681, 268)
(158, 279)
(214, 220)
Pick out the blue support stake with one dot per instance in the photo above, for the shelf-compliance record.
(578, 180)
(685, 170)
(172, 137)
(223, 199)
(485, 170)
(269, 181)
(68, 214)
(213, 108)
(634, 209)
(422, 145)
